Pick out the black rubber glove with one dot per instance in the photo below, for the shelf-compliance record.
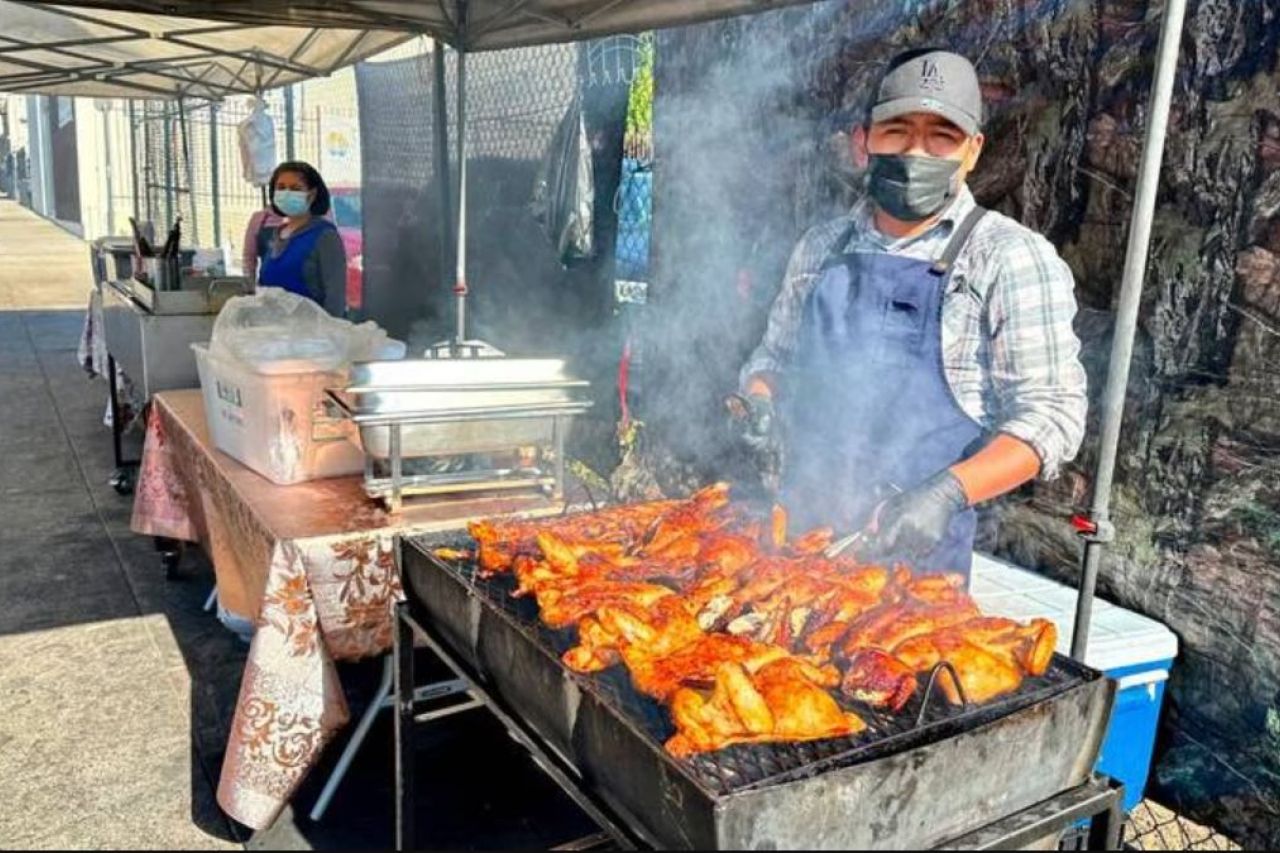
(913, 523)
(755, 423)
(760, 431)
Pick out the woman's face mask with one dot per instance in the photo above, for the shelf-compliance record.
(293, 202)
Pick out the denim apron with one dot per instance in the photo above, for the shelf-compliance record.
(870, 410)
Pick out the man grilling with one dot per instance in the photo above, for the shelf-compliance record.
(919, 358)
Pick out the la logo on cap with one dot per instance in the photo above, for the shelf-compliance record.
(931, 76)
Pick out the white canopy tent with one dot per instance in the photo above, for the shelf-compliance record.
(494, 24)
(104, 53)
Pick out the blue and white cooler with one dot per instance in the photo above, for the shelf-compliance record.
(1133, 649)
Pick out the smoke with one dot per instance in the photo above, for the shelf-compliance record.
(752, 120)
(736, 133)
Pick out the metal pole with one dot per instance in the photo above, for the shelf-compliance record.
(215, 185)
(110, 166)
(460, 283)
(288, 123)
(148, 163)
(1101, 530)
(133, 161)
(194, 232)
(443, 176)
(168, 169)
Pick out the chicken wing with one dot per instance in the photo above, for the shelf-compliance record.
(878, 679)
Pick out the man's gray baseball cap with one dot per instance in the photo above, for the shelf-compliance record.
(931, 81)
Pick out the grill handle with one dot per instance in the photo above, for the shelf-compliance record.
(932, 683)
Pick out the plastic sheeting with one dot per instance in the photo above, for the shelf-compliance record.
(60, 50)
(564, 194)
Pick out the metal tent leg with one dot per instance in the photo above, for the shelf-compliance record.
(212, 599)
(1098, 527)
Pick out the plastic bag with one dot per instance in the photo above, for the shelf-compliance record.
(275, 331)
(564, 194)
(257, 136)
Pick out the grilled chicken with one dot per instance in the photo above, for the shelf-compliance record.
(660, 630)
(563, 607)
(735, 625)
(500, 542)
(780, 701)
(888, 626)
(983, 675)
(879, 679)
(694, 664)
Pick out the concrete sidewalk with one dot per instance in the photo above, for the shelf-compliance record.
(41, 266)
(97, 651)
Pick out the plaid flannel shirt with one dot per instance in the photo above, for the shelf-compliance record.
(1011, 356)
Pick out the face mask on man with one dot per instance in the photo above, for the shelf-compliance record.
(912, 188)
(292, 202)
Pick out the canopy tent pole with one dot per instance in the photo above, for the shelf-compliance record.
(443, 178)
(460, 283)
(1097, 527)
(186, 166)
(133, 161)
(170, 202)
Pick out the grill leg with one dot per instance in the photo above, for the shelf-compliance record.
(1106, 831)
(403, 653)
(357, 739)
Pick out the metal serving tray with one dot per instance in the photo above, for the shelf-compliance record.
(197, 295)
(446, 407)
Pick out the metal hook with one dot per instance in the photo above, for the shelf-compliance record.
(932, 682)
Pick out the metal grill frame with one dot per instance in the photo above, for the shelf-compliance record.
(1042, 750)
(749, 767)
(1098, 802)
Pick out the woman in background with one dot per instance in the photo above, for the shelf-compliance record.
(303, 253)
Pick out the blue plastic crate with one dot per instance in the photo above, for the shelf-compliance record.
(1135, 650)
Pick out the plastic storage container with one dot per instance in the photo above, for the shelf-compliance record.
(1131, 648)
(275, 421)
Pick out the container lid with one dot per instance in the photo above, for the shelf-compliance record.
(1118, 638)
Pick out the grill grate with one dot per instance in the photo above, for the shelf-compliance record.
(743, 767)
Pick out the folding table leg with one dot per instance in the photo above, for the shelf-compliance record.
(357, 739)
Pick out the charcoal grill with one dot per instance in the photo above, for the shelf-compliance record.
(916, 779)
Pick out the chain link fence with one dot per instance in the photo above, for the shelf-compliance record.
(1151, 826)
(174, 159)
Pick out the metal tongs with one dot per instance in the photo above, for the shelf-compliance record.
(838, 547)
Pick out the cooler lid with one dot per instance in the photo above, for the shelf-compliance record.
(1118, 638)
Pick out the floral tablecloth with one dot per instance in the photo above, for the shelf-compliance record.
(313, 566)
